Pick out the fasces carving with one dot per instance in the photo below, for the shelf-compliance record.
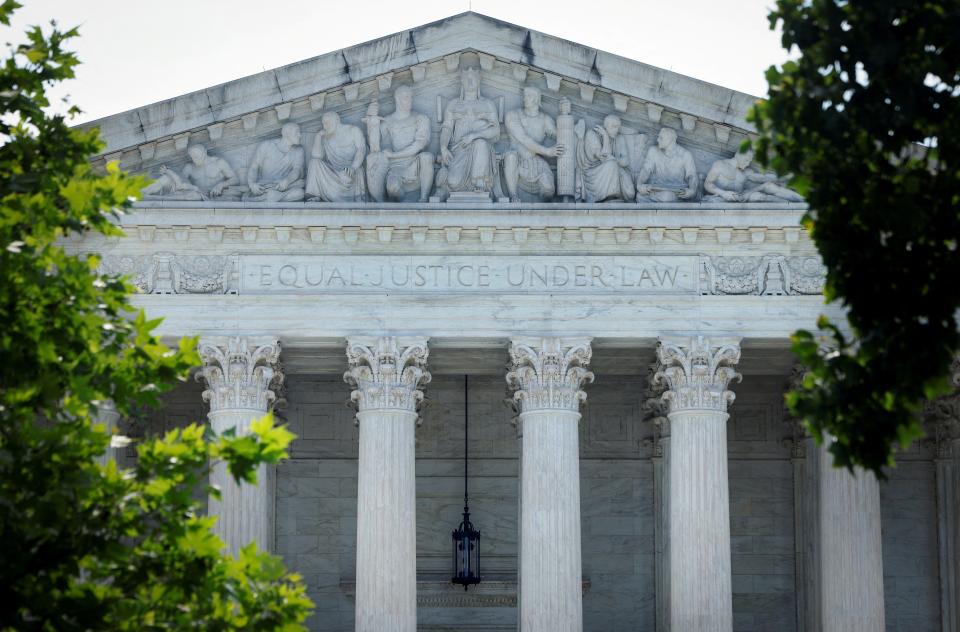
(471, 125)
(386, 372)
(567, 161)
(549, 373)
(404, 165)
(603, 162)
(240, 372)
(335, 173)
(524, 164)
(669, 173)
(276, 172)
(168, 273)
(732, 180)
(769, 274)
(697, 373)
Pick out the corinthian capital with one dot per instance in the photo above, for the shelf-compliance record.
(240, 372)
(697, 371)
(549, 373)
(942, 416)
(387, 372)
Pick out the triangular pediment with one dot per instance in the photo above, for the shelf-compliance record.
(232, 119)
(426, 57)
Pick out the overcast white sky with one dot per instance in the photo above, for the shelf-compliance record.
(136, 52)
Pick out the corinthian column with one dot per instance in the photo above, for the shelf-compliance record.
(241, 375)
(697, 372)
(387, 374)
(108, 416)
(548, 374)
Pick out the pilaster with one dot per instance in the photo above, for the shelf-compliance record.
(655, 410)
(241, 375)
(387, 374)
(943, 420)
(697, 372)
(547, 375)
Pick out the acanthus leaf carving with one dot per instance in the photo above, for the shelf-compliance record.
(942, 417)
(240, 372)
(387, 372)
(549, 373)
(697, 372)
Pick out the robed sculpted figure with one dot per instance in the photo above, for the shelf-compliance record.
(524, 164)
(397, 163)
(276, 170)
(668, 173)
(335, 173)
(603, 162)
(732, 180)
(470, 127)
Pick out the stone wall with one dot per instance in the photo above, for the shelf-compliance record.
(316, 507)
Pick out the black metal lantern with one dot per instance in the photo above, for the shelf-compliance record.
(466, 539)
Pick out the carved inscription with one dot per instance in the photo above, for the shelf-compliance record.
(321, 274)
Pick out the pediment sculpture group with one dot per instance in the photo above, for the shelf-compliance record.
(602, 163)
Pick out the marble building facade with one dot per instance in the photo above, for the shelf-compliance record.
(581, 236)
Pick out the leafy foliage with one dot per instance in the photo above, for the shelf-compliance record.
(88, 546)
(867, 119)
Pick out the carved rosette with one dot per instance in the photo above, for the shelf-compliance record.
(697, 372)
(240, 372)
(387, 373)
(549, 373)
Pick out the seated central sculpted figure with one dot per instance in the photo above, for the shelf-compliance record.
(470, 127)
(524, 166)
(335, 173)
(603, 162)
(405, 166)
(276, 170)
(668, 173)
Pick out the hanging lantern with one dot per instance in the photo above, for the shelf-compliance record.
(466, 539)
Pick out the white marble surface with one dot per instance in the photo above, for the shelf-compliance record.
(851, 550)
(350, 75)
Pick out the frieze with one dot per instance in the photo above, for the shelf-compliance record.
(766, 275)
(763, 275)
(493, 142)
(169, 273)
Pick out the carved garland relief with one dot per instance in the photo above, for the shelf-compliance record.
(484, 156)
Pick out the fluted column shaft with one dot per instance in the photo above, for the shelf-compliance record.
(700, 579)
(241, 375)
(108, 416)
(387, 374)
(547, 374)
(850, 549)
(697, 372)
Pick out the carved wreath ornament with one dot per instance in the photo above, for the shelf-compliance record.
(240, 372)
(550, 374)
(697, 374)
(385, 374)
